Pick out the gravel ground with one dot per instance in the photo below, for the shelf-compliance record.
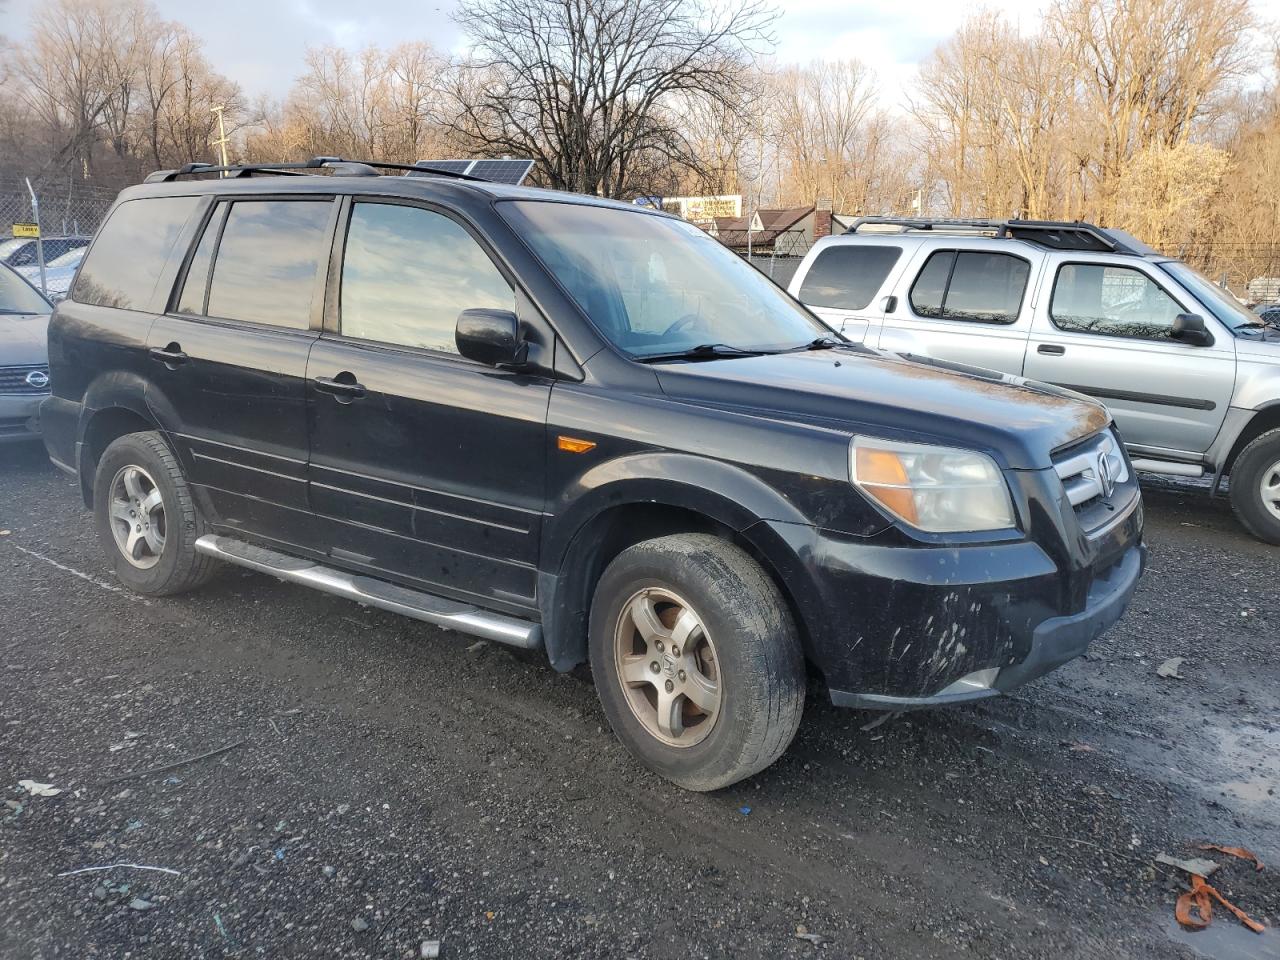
(389, 783)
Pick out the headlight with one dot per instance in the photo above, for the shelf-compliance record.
(935, 489)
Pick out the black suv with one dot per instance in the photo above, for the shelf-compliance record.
(581, 427)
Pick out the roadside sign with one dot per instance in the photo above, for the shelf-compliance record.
(26, 230)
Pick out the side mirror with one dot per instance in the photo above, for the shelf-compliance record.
(1190, 328)
(490, 337)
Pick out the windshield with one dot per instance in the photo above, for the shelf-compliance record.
(18, 296)
(657, 286)
(1218, 301)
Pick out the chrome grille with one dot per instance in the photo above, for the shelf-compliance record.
(1091, 470)
(14, 379)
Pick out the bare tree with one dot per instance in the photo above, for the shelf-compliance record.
(589, 88)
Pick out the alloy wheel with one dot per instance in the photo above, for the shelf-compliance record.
(138, 521)
(1269, 489)
(667, 664)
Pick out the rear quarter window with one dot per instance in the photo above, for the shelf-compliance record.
(130, 251)
(847, 276)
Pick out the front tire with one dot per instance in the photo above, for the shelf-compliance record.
(146, 517)
(1255, 487)
(696, 660)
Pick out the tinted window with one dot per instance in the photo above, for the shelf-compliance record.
(1112, 301)
(986, 287)
(982, 287)
(407, 273)
(18, 296)
(268, 260)
(847, 276)
(930, 287)
(122, 268)
(196, 284)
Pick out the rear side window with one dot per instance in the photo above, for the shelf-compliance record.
(126, 260)
(971, 285)
(847, 276)
(195, 289)
(268, 260)
(407, 273)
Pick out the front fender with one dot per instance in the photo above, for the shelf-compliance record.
(722, 492)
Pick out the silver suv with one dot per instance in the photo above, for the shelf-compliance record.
(1191, 377)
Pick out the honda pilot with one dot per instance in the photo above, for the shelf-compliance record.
(582, 428)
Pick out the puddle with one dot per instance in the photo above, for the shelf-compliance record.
(1224, 939)
(1252, 756)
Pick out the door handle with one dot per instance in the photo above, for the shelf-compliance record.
(1051, 349)
(344, 387)
(170, 356)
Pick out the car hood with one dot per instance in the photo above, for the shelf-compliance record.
(891, 395)
(1262, 342)
(24, 339)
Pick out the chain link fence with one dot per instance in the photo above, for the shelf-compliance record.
(66, 217)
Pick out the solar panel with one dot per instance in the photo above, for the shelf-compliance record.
(494, 171)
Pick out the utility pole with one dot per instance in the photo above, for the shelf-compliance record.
(221, 142)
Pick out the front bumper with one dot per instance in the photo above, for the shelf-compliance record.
(898, 625)
(1054, 642)
(20, 416)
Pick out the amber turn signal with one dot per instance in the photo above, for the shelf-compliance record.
(575, 445)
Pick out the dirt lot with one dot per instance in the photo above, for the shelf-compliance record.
(392, 783)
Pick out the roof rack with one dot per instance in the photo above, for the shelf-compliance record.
(1057, 234)
(336, 165)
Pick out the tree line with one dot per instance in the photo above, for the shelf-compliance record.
(1158, 116)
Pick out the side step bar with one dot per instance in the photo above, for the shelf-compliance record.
(1167, 467)
(376, 593)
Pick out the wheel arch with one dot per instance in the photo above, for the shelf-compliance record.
(101, 428)
(1264, 419)
(616, 515)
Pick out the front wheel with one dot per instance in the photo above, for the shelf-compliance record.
(696, 660)
(147, 519)
(1255, 486)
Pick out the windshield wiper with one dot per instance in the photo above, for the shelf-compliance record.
(821, 343)
(703, 351)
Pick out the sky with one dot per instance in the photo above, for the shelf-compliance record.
(260, 43)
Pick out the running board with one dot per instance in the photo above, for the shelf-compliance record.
(376, 593)
(1169, 468)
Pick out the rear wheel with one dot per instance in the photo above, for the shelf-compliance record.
(696, 660)
(1255, 487)
(146, 517)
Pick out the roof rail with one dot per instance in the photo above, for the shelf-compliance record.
(1057, 234)
(337, 165)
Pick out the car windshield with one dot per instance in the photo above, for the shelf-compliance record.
(1218, 301)
(660, 287)
(18, 296)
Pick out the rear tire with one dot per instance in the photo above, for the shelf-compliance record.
(147, 519)
(1255, 487)
(728, 690)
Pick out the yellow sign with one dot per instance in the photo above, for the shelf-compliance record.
(26, 230)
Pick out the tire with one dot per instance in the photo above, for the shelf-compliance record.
(1258, 465)
(738, 684)
(143, 463)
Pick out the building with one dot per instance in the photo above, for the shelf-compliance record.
(785, 232)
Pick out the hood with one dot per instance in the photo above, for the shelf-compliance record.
(1259, 342)
(890, 395)
(24, 339)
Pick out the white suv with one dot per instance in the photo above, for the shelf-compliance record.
(1191, 377)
